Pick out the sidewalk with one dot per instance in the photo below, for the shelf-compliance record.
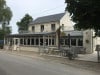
(88, 57)
(29, 54)
(79, 62)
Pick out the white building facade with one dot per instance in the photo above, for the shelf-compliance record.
(42, 32)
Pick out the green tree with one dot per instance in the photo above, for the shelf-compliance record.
(85, 13)
(24, 22)
(5, 17)
(5, 14)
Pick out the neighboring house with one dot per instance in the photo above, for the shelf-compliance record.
(42, 33)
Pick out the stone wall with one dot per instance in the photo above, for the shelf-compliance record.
(88, 41)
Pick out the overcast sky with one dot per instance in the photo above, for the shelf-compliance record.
(35, 8)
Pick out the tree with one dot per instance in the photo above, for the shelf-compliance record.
(5, 14)
(5, 17)
(59, 34)
(85, 13)
(23, 24)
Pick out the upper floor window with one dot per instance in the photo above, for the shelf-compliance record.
(62, 26)
(53, 28)
(33, 28)
(42, 28)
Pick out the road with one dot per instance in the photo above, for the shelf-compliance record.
(20, 65)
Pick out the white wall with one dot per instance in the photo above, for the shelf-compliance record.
(88, 35)
(47, 27)
(98, 40)
(68, 24)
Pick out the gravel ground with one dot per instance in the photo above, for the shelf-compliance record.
(77, 63)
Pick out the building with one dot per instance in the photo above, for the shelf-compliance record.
(42, 32)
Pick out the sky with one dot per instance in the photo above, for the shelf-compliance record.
(35, 8)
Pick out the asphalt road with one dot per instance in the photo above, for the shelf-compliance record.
(19, 65)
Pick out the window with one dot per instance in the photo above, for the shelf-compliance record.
(32, 41)
(24, 41)
(62, 41)
(62, 26)
(49, 41)
(53, 27)
(21, 41)
(46, 42)
(80, 42)
(37, 41)
(33, 28)
(11, 42)
(41, 42)
(42, 28)
(53, 42)
(73, 42)
(29, 41)
(5, 41)
(16, 42)
(66, 42)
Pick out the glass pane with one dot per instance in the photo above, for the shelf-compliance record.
(73, 42)
(32, 41)
(80, 42)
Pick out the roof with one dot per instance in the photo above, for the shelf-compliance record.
(74, 33)
(71, 32)
(31, 34)
(46, 19)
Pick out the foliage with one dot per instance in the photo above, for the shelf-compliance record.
(5, 13)
(23, 24)
(85, 13)
(58, 31)
(5, 17)
(4, 32)
(1, 34)
(63, 34)
(59, 34)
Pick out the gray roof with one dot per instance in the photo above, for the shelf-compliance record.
(74, 33)
(31, 34)
(46, 19)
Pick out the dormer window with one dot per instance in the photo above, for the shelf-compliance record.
(42, 28)
(53, 28)
(33, 28)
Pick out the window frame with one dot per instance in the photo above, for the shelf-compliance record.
(73, 43)
(33, 28)
(42, 28)
(53, 27)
